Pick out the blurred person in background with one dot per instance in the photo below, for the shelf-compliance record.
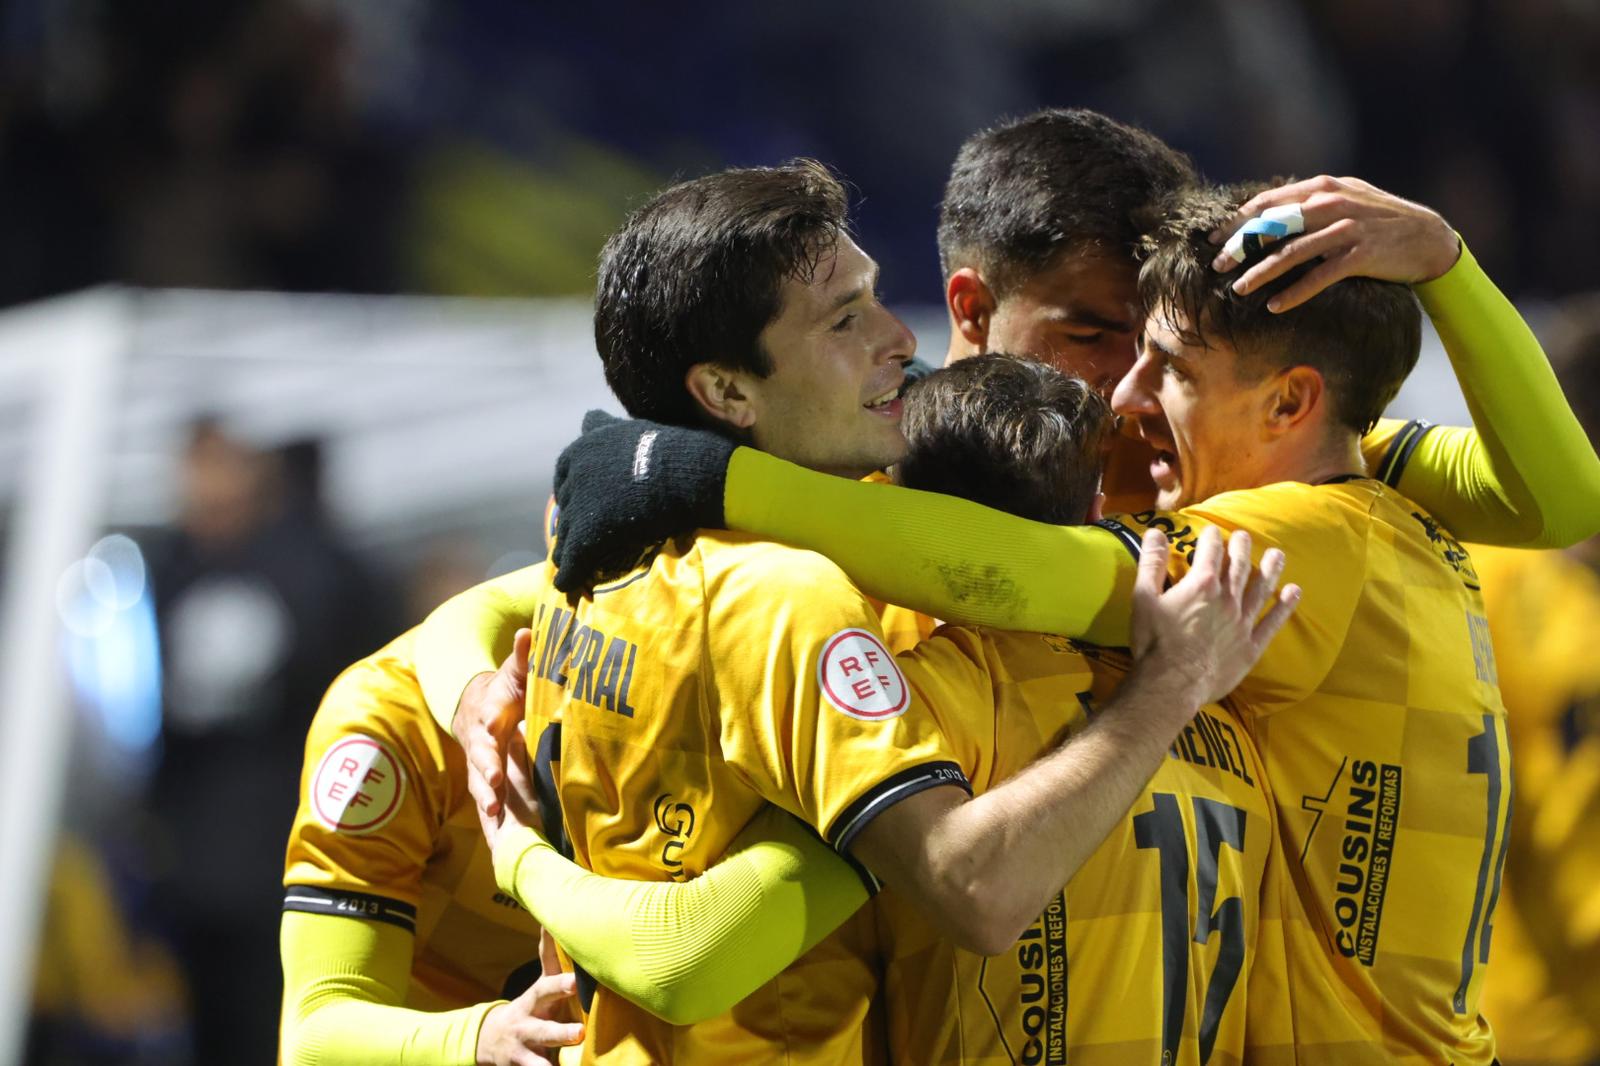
(1544, 997)
(105, 991)
(259, 605)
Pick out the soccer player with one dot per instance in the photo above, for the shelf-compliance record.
(1036, 236)
(1542, 607)
(1037, 239)
(1256, 410)
(1022, 436)
(396, 944)
(1038, 230)
(720, 674)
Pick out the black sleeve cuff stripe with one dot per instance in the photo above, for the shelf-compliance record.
(316, 900)
(887, 793)
(868, 881)
(1399, 454)
(1130, 540)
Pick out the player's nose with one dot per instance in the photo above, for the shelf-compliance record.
(1135, 393)
(898, 342)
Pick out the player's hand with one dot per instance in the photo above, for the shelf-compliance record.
(1357, 229)
(627, 484)
(491, 708)
(523, 1032)
(1208, 630)
(521, 806)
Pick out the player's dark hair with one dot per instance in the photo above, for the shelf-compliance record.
(1575, 354)
(1362, 335)
(1024, 193)
(1009, 433)
(696, 274)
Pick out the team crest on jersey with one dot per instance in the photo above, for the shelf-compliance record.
(358, 786)
(858, 676)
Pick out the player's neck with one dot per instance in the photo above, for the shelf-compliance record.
(1313, 459)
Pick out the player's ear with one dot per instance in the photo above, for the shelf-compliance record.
(1294, 395)
(720, 393)
(971, 304)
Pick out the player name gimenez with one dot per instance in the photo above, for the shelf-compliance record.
(1209, 741)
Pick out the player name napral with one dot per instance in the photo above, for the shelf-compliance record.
(593, 667)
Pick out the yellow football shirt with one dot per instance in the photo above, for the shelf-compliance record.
(1380, 725)
(1141, 958)
(1544, 995)
(387, 832)
(666, 708)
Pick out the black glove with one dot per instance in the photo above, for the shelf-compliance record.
(627, 484)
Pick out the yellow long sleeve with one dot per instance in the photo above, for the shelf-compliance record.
(470, 634)
(344, 981)
(940, 555)
(1529, 476)
(689, 951)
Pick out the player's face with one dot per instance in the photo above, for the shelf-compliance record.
(1079, 315)
(1189, 404)
(832, 401)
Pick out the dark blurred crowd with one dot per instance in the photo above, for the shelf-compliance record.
(486, 149)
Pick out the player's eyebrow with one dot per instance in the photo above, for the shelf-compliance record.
(855, 293)
(1146, 340)
(1079, 316)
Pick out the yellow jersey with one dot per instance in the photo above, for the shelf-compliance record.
(387, 832)
(1544, 997)
(667, 707)
(1141, 957)
(1378, 719)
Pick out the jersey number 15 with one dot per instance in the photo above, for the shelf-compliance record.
(1161, 828)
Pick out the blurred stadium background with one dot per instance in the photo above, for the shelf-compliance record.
(294, 318)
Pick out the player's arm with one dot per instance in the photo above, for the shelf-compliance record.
(786, 906)
(458, 649)
(945, 557)
(984, 868)
(344, 986)
(1527, 475)
(466, 637)
(350, 890)
(683, 951)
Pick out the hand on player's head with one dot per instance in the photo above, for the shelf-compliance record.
(1358, 231)
(627, 484)
(1208, 628)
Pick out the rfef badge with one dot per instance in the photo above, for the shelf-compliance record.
(358, 786)
(858, 676)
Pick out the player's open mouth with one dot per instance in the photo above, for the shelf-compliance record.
(1164, 467)
(888, 404)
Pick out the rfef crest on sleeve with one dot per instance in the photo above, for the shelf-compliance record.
(859, 676)
(358, 786)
